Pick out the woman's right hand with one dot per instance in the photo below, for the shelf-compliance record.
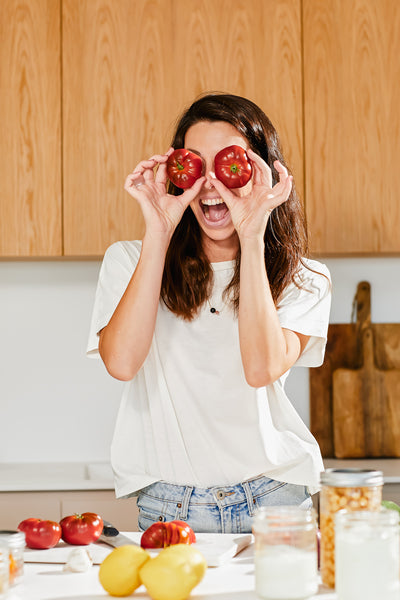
(161, 211)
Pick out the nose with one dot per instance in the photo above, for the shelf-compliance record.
(208, 185)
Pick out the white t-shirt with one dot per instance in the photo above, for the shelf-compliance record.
(189, 417)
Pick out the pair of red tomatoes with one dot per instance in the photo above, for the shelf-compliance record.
(231, 166)
(79, 530)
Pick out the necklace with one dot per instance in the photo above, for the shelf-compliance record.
(213, 310)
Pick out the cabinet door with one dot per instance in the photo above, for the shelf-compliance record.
(129, 70)
(352, 125)
(30, 141)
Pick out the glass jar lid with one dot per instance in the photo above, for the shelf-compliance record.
(14, 539)
(351, 477)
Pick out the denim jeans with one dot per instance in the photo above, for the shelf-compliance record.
(219, 509)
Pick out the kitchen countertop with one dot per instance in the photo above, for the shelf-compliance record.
(232, 581)
(34, 477)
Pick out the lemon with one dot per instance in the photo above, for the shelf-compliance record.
(173, 573)
(119, 571)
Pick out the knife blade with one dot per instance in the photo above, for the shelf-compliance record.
(111, 536)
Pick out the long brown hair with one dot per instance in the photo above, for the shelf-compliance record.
(187, 277)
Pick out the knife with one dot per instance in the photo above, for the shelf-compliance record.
(111, 536)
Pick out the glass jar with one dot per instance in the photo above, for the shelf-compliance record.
(367, 555)
(15, 540)
(285, 553)
(4, 569)
(350, 489)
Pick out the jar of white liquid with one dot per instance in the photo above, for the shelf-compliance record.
(367, 555)
(285, 553)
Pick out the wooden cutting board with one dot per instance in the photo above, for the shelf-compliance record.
(355, 395)
(217, 548)
(366, 408)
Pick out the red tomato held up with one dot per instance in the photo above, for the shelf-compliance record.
(184, 167)
(161, 535)
(232, 166)
(81, 530)
(40, 534)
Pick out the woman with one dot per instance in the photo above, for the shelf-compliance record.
(204, 320)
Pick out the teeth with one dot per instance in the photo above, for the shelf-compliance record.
(212, 201)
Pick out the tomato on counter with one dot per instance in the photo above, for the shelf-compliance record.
(232, 166)
(161, 535)
(81, 530)
(40, 534)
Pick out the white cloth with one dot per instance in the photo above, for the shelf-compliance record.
(188, 416)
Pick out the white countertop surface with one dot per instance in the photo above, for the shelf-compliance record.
(232, 581)
(34, 477)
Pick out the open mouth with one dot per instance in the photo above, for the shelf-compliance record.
(214, 209)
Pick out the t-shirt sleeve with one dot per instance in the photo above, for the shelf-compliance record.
(305, 308)
(118, 265)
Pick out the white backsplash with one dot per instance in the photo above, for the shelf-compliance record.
(56, 405)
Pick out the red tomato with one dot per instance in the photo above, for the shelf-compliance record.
(190, 531)
(40, 534)
(81, 530)
(232, 166)
(161, 535)
(184, 167)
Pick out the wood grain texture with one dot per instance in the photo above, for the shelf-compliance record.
(30, 141)
(130, 68)
(352, 125)
(366, 408)
(354, 395)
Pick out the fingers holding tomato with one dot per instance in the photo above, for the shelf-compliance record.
(40, 534)
(81, 529)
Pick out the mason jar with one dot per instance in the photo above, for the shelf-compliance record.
(350, 489)
(367, 555)
(4, 569)
(285, 553)
(15, 541)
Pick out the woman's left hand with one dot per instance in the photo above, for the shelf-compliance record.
(250, 213)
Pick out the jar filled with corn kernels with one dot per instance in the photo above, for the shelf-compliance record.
(344, 489)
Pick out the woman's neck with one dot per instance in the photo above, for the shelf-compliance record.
(221, 250)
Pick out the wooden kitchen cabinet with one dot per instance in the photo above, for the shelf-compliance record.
(16, 506)
(30, 141)
(129, 68)
(352, 125)
(90, 87)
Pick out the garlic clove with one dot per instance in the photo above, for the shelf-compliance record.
(79, 561)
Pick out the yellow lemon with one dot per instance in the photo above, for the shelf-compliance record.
(173, 573)
(119, 571)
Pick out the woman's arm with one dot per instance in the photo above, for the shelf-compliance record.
(267, 349)
(125, 341)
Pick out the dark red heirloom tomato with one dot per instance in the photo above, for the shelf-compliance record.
(183, 168)
(40, 534)
(161, 535)
(81, 530)
(232, 166)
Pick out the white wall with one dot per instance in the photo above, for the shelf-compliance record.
(56, 404)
